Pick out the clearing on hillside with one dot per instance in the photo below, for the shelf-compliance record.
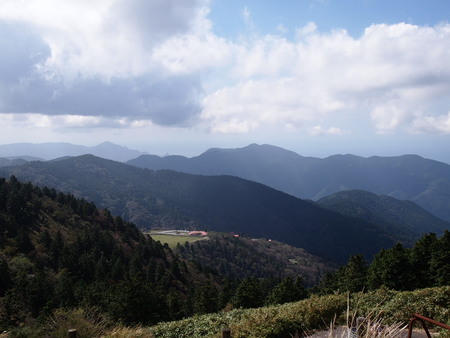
(173, 237)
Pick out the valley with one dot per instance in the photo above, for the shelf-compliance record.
(110, 233)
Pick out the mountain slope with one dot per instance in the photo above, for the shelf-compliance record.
(408, 177)
(54, 150)
(6, 162)
(243, 257)
(270, 165)
(220, 203)
(57, 251)
(405, 219)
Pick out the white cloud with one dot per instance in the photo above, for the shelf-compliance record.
(389, 77)
(192, 53)
(59, 122)
(101, 58)
(247, 16)
(146, 62)
(107, 38)
(432, 124)
(319, 131)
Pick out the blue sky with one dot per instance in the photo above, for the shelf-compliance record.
(351, 15)
(318, 77)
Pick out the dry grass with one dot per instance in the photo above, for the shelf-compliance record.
(128, 332)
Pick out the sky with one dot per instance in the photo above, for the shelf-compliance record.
(319, 77)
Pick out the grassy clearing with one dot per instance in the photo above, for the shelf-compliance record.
(173, 240)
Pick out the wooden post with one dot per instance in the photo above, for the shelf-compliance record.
(226, 333)
(72, 333)
(359, 326)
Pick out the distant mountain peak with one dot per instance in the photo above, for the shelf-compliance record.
(406, 177)
(54, 150)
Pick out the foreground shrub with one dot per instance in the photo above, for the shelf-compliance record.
(88, 323)
(272, 321)
(399, 306)
(390, 307)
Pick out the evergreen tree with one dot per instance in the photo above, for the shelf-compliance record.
(248, 294)
(136, 302)
(353, 276)
(440, 261)
(391, 268)
(23, 241)
(175, 305)
(5, 277)
(287, 291)
(328, 283)
(421, 260)
(205, 299)
(65, 290)
(45, 239)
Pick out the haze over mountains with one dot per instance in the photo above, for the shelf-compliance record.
(220, 203)
(230, 198)
(52, 150)
(408, 177)
(405, 219)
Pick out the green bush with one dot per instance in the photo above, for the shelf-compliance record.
(313, 314)
(400, 306)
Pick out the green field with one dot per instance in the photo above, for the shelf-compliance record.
(173, 240)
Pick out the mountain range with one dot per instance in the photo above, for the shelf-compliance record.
(408, 177)
(217, 201)
(52, 150)
(220, 203)
(223, 203)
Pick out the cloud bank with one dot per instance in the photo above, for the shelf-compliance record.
(136, 63)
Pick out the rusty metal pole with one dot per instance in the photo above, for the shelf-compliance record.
(423, 320)
(410, 326)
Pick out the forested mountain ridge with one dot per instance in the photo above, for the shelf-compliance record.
(57, 251)
(239, 257)
(221, 203)
(6, 162)
(405, 219)
(408, 177)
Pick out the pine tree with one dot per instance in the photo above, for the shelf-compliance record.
(421, 258)
(248, 294)
(440, 261)
(353, 276)
(5, 277)
(391, 268)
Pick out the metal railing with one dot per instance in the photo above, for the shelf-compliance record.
(423, 320)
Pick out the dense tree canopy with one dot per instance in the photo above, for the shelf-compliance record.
(57, 251)
(427, 264)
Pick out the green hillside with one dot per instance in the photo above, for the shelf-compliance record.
(404, 219)
(64, 263)
(220, 203)
(242, 257)
(57, 251)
